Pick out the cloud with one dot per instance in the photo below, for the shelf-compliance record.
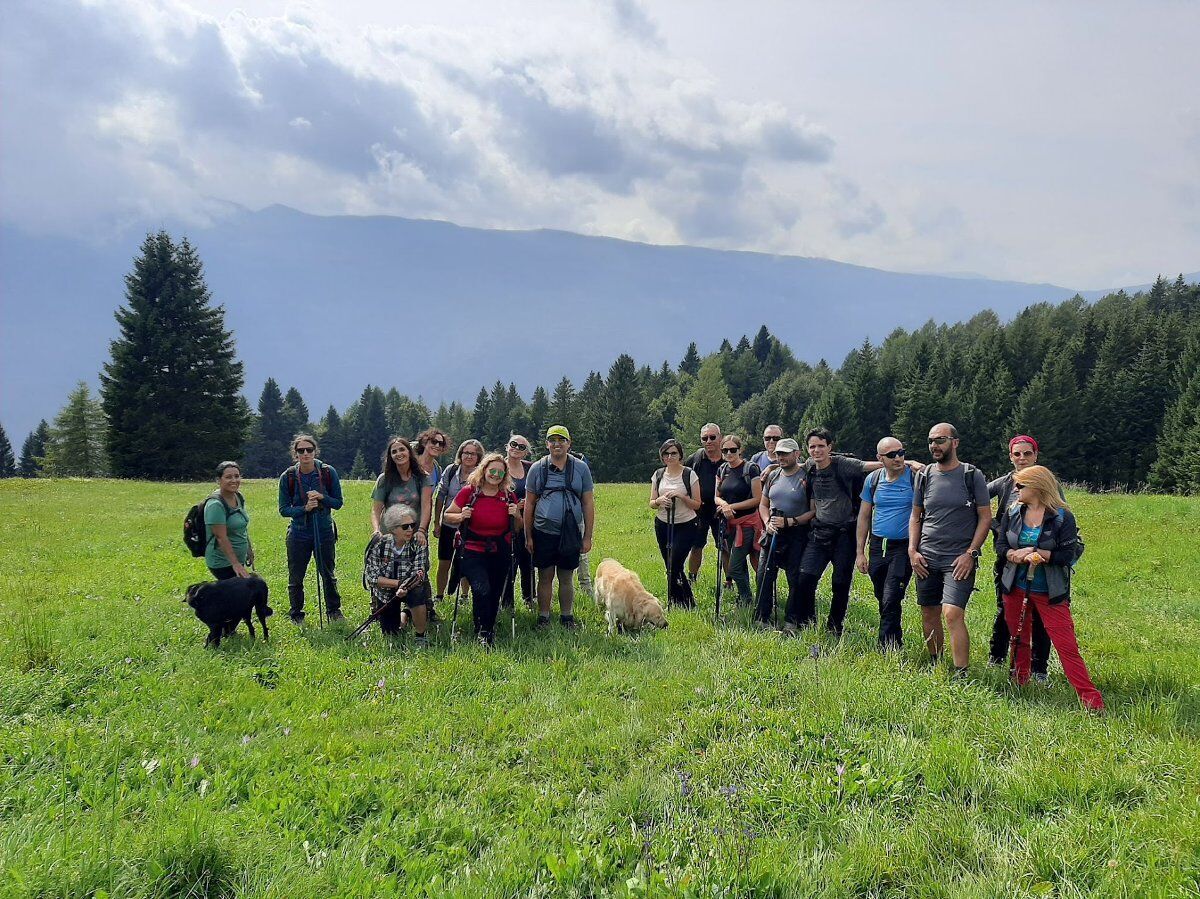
(121, 109)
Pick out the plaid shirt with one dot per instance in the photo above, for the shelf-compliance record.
(385, 560)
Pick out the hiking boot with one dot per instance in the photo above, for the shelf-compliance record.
(420, 641)
(569, 622)
(790, 629)
(960, 673)
(691, 579)
(1042, 679)
(543, 622)
(486, 639)
(297, 617)
(336, 615)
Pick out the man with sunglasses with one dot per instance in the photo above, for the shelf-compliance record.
(765, 458)
(887, 498)
(706, 462)
(951, 517)
(1023, 453)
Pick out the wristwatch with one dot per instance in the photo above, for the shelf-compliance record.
(976, 554)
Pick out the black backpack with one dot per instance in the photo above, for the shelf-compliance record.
(922, 481)
(293, 479)
(193, 523)
(687, 479)
(852, 489)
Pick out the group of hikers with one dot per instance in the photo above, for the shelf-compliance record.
(501, 519)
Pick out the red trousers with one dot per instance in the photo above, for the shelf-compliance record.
(1061, 628)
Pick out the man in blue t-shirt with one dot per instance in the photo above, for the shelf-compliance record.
(887, 498)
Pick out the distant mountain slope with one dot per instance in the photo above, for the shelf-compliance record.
(329, 304)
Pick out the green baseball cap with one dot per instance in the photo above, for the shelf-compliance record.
(558, 431)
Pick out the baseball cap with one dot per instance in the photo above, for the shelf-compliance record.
(558, 431)
(787, 445)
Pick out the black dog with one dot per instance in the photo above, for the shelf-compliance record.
(222, 604)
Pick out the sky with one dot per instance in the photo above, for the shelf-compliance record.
(1044, 142)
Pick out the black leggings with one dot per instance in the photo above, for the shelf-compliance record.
(486, 572)
(679, 589)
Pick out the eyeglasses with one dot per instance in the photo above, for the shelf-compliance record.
(301, 450)
(730, 450)
(407, 526)
(471, 453)
(895, 454)
(496, 472)
(939, 441)
(670, 453)
(710, 438)
(518, 446)
(556, 439)
(767, 437)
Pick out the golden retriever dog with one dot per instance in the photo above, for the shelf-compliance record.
(626, 603)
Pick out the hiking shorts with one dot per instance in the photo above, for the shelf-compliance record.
(940, 588)
(445, 550)
(710, 523)
(546, 552)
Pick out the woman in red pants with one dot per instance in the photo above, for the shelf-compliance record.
(1039, 541)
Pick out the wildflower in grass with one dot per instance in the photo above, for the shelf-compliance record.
(245, 739)
(841, 769)
(194, 762)
(203, 787)
(815, 651)
(381, 683)
(128, 660)
(287, 731)
(324, 715)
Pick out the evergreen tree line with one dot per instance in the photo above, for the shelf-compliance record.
(1111, 390)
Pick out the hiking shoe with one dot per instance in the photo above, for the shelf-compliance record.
(960, 673)
(789, 629)
(543, 622)
(486, 639)
(297, 617)
(433, 616)
(691, 578)
(1042, 679)
(569, 622)
(420, 641)
(336, 615)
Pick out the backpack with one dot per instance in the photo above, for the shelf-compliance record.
(293, 480)
(923, 479)
(374, 545)
(876, 476)
(194, 527)
(687, 479)
(462, 533)
(848, 488)
(446, 477)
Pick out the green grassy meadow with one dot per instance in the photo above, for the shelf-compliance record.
(697, 761)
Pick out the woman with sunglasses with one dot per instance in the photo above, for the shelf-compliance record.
(403, 481)
(467, 458)
(675, 499)
(517, 460)
(309, 491)
(484, 511)
(393, 562)
(1039, 541)
(431, 444)
(739, 492)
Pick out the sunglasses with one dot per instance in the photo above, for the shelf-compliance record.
(496, 472)
(939, 441)
(1021, 486)
(518, 446)
(771, 437)
(710, 438)
(407, 526)
(895, 454)
(730, 450)
(302, 450)
(438, 441)
(1021, 454)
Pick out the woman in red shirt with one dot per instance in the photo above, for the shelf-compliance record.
(484, 512)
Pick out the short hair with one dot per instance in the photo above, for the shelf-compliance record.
(475, 478)
(711, 424)
(780, 427)
(736, 438)
(310, 438)
(393, 515)
(821, 434)
(222, 466)
(1042, 481)
(671, 443)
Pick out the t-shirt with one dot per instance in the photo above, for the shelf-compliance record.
(519, 483)
(950, 512)
(675, 485)
(734, 485)
(788, 492)
(891, 503)
(237, 526)
(407, 492)
(762, 459)
(706, 470)
(834, 506)
(1029, 537)
(452, 482)
(548, 482)
(489, 517)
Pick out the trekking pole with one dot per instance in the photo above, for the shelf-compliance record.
(670, 551)
(512, 575)
(315, 527)
(765, 571)
(720, 572)
(1013, 640)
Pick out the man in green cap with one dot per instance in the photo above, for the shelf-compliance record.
(558, 495)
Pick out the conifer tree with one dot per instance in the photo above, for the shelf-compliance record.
(8, 462)
(170, 391)
(359, 471)
(1181, 429)
(563, 408)
(833, 410)
(762, 344)
(707, 401)
(586, 436)
(76, 444)
(337, 447)
(690, 364)
(626, 453)
(483, 411)
(372, 429)
(33, 451)
(1049, 409)
(295, 412)
(539, 414)
(868, 399)
(267, 453)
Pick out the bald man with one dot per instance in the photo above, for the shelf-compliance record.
(883, 517)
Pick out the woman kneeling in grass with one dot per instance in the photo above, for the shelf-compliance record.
(1039, 541)
(393, 561)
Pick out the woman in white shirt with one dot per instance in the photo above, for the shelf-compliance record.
(675, 497)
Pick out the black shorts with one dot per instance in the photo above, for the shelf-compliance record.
(546, 552)
(709, 523)
(446, 542)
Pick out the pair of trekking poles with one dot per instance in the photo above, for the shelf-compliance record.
(671, 579)
(509, 581)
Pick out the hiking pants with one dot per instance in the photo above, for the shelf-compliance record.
(486, 572)
(299, 552)
(739, 562)
(1001, 638)
(1061, 628)
(890, 572)
(790, 544)
(679, 589)
(836, 545)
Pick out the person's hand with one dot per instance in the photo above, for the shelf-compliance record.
(401, 592)
(514, 510)
(250, 557)
(315, 494)
(422, 538)
(521, 506)
(920, 568)
(861, 562)
(587, 546)
(465, 514)
(776, 524)
(240, 571)
(963, 566)
(529, 544)
(310, 505)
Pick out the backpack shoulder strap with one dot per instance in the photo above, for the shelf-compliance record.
(658, 476)
(873, 480)
(687, 480)
(969, 481)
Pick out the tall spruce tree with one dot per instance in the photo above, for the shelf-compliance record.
(295, 412)
(690, 364)
(586, 436)
(626, 454)
(372, 430)
(267, 453)
(564, 409)
(1049, 408)
(1181, 430)
(33, 451)
(8, 462)
(76, 444)
(539, 413)
(481, 416)
(170, 391)
(337, 443)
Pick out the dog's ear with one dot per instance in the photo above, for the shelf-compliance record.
(190, 596)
